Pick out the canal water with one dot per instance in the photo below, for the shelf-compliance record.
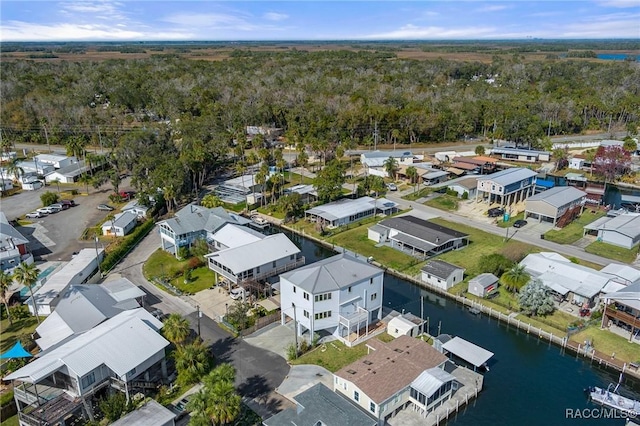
(530, 382)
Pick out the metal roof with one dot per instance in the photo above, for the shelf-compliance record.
(120, 343)
(234, 235)
(467, 183)
(627, 224)
(331, 274)
(468, 351)
(429, 232)
(434, 174)
(349, 207)
(440, 268)
(629, 296)
(485, 280)
(194, 218)
(528, 152)
(559, 196)
(8, 231)
(321, 405)
(509, 176)
(625, 272)
(150, 414)
(262, 252)
(73, 170)
(120, 220)
(429, 381)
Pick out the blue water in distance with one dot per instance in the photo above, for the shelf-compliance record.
(615, 56)
(530, 382)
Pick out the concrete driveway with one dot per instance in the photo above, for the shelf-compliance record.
(274, 337)
(302, 377)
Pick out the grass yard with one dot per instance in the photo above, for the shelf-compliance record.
(608, 343)
(296, 179)
(444, 202)
(612, 252)
(555, 323)
(11, 421)
(573, 231)
(162, 263)
(481, 243)
(511, 221)
(201, 278)
(418, 194)
(11, 333)
(270, 210)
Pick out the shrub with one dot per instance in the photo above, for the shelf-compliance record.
(194, 263)
(19, 312)
(126, 244)
(183, 253)
(6, 398)
(292, 352)
(465, 195)
(48, 198)
(494, 263)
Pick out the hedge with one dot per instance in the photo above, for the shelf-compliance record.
(128, 243)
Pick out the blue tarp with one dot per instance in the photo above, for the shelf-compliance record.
(17, 351)
(545, 183)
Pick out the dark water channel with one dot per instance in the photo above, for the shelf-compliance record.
(530, 382)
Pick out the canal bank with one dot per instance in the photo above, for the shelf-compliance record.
(531, 380)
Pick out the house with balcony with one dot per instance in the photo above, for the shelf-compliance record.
(406, 372)
(230, 236)
(13, 246)
(507, 186)
(192, 223)
(125, 353)
(622, 311)
(257, 260)
(339, 296)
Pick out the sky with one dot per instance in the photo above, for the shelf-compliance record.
(205, 20)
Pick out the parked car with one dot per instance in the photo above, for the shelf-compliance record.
(237, 293)
(584, 312)
(69, 203)
(392, 187)
(127, 195)
(35, 214)
(58, 207)
(495, 212)
(519, 223)
(181, 407)
(105, 207)
(46, 210)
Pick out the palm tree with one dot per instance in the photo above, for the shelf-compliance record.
(515, 278)
(27, 275)
(224, 403)
(210, 201)
(86, 179)
(412, 174)
(57, 182)
(5, 282)
(192, 361)
(13, 168)
(176, 329)
(224, 372)
(391, 167)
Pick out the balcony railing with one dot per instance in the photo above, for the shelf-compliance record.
(623, 316)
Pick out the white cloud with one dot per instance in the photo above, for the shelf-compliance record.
(273, 16)
(619, 3)
(414, 32)
(219, 21)
(25, 31)
(492, 8)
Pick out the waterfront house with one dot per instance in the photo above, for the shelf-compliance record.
(506, 186)
(240, 189)
(550, 205)
(308, 193)
(82, 307)
(521, 155)
(339, 295)
(125, 353)
(13, 246)
(192, 223)
(624, 274)
(392, 376)
(483, 285)
(319, 405)
(441, 274)
(622, 230)
(121, 224)
(256, 260)
(577, 162)
(416, 236)
(622, 310)
(230, 236)
(347, 210)
(466, 185)
(152, 413)
(81, 269)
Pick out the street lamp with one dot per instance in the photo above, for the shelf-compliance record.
(98, 257)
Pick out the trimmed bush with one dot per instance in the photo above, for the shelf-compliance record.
(126, 244)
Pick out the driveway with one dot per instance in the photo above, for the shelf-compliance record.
(274, 337)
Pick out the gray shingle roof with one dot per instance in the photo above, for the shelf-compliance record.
(440, 268)
(509, 176)
(559, 196)
(485, 280)
(320, 404)
(422, 229)
(194, 218)
(334, 273)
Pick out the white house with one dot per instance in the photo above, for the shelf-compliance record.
(230, 236)
(32, 185)
(390, 377)
(468, 185)
(36, 168)
(523, 155)
(622, 230)
(441, 274)
(56, 160)
(124, 353)
(401, 326)
(624, 274)
(339, 295)
(121, 224)
(507, 186)
(69, 173)
(137, 208)
(152, 413)
(373, 161)
(347, 210)
(483, 285)
(576, 163)
(6, 184)
(256, 260)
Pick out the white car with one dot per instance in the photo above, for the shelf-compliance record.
(45, 210)
(55, 208)
(35, 214)
(237, 293)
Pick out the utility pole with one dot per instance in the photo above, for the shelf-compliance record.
(199, 314)
(439, 326)
(375, 136)
(46, 136)
(295, 326)
(98, 257)
(100, 139)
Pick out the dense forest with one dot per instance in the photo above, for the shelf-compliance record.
(165, 105)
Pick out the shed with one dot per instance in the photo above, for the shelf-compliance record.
(442, 274)
(400, 326)
(150, 414)
(469, 352)
(121, 224)
(483, 285)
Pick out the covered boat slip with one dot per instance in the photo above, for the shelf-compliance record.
(463, 349)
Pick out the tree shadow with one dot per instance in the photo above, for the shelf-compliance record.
(254, 387)
(223, 349)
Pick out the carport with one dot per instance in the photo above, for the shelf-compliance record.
(471, 353)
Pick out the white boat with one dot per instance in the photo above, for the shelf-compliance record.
(259, 222)
(611, 398)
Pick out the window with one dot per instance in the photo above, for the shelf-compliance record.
(349, 289)
(306, 314)
(291, 257)
(370, 280)
(273, 264)
(372, 407)
(322, 297)
(306, 296)
(322, 315)
(356, 395)
(374, 296)
(294, 288)
(258, 270)
(429, 276)
(88, 380)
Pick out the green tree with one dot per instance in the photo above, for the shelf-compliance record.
(303, 162)
(412, 174)
(200, 248)
(479, 150)
(630, 145)
(211, 201)
(27, 275)
(114, 406)
(290, 205)
(238, 315)
(391, 167)
(6, 280)
(328, 182)
(515, 278)
(218, 401)
(535, 299)
(494, 263)
(57, 182)
(13, 168)
(192, 362)
(86, 180)
(48, 198)
(176, 329)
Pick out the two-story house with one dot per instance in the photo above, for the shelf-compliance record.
(125, 353)
(339, 295)
(622, 310)
(507, 186)
(13, 246)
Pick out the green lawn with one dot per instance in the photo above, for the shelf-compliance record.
(608, 343)
(612, 252)
(11, 333)
(11, 421)
(423, 192)
(161, 264)
(270, 210)
(296, 179)
(444, 202)
(555, 323)
(573, 231)
(333, 355)
(201, 278)
(511, 221)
